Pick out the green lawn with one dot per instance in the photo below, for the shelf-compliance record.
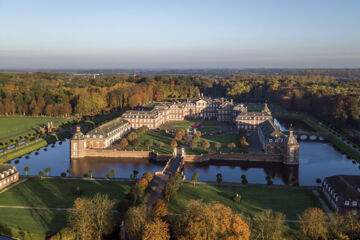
(59, 193)
(156, 137)
(224, 140)
(12, 125)
(30, 224)
(181, 124)
(290, 202)
(255, 107)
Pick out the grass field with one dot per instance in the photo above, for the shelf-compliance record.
(36, 224)
(13, 125)
(59, 193)
(255, 107)
(290, 202)
(31, 224)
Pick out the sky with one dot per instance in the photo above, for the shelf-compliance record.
(179, 34)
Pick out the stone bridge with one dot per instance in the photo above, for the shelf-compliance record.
(308, 135)
(175, 163)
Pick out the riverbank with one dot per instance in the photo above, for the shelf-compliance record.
(318, 126)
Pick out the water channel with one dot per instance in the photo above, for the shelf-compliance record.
(317, 160)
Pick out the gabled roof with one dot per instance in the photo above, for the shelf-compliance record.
(106, 128)
(270, 130)
(346, 186)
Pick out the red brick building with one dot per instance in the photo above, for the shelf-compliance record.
(8, 175)
(343, 193)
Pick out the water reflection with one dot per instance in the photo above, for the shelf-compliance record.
(317, 160)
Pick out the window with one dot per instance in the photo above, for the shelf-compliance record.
(347, 203)
(354, 212)
(354, 203)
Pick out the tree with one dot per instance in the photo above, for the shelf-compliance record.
(218, 178)
(211, 221)
(172, 185)
(41, 174)
(173, 143)
(195, 177)
(132, 136)
(148, 176)
(108, 175)
(113, 171)
(313, 224)
(69, 171)
(143, 182)
(318, 181)
(345, 227)
(205, 144)
(135, 221)
(217, 146)
(26, 170)
(160, 144)
(148, 143)
(136, 172)
(231, 145)
(156, 230)
(91, 172)
(47, 170)
(160, 209)
(92, 218)
(267, 225)
(136, 142)
(124, 143)
(100, 208)
(193, 144)
(137, 192)
(243, 142)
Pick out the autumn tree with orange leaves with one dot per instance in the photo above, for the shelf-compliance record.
(211, 221)
(156, 230)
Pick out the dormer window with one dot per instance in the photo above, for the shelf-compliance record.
(347, 203)
(354, 203)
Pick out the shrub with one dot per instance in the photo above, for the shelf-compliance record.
(237, 198)
(63, 174)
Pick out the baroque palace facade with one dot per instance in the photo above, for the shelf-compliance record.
(273, 141)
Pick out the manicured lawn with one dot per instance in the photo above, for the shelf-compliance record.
(290, 202)
(180, 124)
(60, 193)
(156, 137)
(255, 107)
(13, 125)
(30, 224)
(224, 140)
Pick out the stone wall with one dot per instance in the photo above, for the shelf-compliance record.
(116, 154)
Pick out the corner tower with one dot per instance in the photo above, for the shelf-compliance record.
(77, 144)
(291, 149)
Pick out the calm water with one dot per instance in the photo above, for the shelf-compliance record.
(317, 160)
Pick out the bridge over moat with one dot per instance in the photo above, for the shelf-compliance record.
(308, 135)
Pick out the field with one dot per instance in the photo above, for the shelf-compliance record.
(13, 126)
(50, 194)
(59, 193)
(290, 202)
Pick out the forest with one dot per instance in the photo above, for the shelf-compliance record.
(333, 98)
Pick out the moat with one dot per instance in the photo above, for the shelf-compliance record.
(317, 160)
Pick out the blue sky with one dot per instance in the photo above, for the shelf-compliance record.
(179, 34)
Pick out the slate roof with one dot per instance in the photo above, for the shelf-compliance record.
(270, 130)
(108, 127)
(346, 186)
(6, 167)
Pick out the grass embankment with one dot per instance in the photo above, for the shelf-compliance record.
(10, 126)
(289, 202)
(50, 194)
(32, 146)
(317, 126)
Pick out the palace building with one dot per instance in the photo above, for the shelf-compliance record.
(100, 137)
(8, 175)
(343, 193)
(273, 141)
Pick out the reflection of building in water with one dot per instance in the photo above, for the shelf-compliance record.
(102, 166)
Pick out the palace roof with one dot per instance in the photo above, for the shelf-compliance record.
(270, 130)
(106, 128)
(346, 186)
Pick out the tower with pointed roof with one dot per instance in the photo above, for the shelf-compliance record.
(266, 108)
(291, 149)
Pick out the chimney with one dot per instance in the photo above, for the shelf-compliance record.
(231, 101)
(78, 128)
